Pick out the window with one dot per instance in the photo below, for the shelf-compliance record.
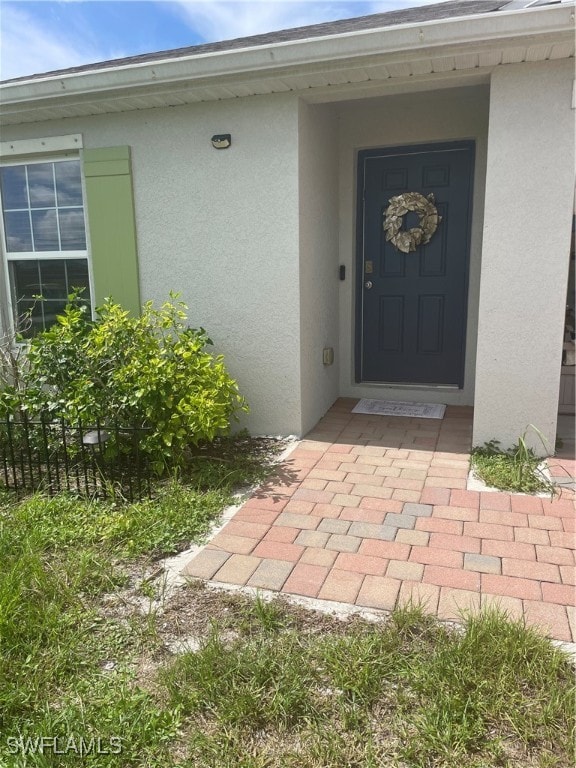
(44, 239)
(53, 190)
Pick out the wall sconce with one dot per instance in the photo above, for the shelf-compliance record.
(221, 140)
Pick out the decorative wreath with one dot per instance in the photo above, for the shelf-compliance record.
(407, 240)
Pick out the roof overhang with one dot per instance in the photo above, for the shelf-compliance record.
(389, 55)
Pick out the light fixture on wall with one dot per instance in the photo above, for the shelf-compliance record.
(221, 140)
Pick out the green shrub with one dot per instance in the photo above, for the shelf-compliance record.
(150, 372)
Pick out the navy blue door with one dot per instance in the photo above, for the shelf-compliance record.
(411, 318)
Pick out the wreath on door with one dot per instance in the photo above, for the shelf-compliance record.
(407, 240)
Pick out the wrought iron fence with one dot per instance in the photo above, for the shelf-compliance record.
(95, 461)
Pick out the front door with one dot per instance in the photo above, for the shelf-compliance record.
(411, 318)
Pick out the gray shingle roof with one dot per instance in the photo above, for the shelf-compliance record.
(436, 12)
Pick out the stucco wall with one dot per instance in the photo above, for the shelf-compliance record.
(529, 204)
(442, 115)
(252, 236)
(221, 228)
(318, 235)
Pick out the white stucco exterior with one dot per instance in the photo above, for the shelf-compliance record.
(529, 208)
(253, 236)
(318, 242)
(221, 228)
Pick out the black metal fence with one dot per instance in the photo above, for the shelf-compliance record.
(94, 461)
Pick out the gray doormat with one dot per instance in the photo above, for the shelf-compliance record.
(396, 408)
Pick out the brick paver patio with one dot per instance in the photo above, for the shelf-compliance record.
(373, 511)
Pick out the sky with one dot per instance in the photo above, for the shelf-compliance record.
(42, 35)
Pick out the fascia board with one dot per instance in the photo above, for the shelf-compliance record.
(488, 29)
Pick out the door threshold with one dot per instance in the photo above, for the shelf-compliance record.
(407, 385)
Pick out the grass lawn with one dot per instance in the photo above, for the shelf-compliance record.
(100, 667)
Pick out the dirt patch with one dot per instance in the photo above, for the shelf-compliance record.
(178, 620)
(196, 607)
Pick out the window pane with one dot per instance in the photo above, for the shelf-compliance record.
(77, 274)
(25, 279)
(68, 183)
(45, 230)
(72, 235)
(13, 181)
(55, 208)
(41, 185)
(53, 279)
(17, 228)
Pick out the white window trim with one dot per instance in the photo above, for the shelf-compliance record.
(28, 152)
(24, 147)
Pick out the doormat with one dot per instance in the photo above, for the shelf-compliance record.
(396, 408)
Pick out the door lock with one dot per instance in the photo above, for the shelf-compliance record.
(368, 284)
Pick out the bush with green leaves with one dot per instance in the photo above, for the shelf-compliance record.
(150, 373)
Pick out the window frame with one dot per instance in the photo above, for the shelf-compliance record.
(9, 321)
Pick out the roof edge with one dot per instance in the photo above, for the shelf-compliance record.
(297, 54)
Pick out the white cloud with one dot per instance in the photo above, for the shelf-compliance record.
(227, 19)
(382, 6)
(29, 47)
(215, 20)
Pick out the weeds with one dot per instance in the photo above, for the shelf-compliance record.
(270, 686)
(65, 670)
(516, 469)
(165, 524)
(232, 462)
(411, 692)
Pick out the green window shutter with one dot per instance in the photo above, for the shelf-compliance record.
(110, 214)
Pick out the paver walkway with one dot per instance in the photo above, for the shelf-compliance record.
(373, 510)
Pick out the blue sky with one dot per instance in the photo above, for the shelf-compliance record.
(41, 35)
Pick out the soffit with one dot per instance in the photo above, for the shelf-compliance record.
(392, 70)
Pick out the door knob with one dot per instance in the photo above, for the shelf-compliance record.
(368, 284)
